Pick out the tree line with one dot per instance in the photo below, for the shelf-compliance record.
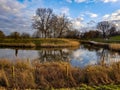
(49, 25)
(15, 35)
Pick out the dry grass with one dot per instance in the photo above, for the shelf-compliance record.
(25, 74)
(17, 45)
(42, 42)
(61, 43)
(114, 46)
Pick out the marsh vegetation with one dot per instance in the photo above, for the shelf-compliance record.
(34, 75)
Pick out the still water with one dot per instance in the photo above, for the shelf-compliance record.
(83, 56)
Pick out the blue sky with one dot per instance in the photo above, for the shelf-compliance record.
(16, 15)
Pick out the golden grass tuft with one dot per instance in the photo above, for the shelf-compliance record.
(114, 46)
(3, 79)
(61, 43)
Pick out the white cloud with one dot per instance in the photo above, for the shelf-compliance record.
(8, 7)
(90, 1)
(80, 1)
(78, 23)
(15, 16)
(106, 16)
(107, 1)
(65, 10)
(90, 14)
(114, 16)
(70, 1)
(93, 15)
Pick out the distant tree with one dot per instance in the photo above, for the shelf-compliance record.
(2, 35)
(15, 35)
(112, 31)
(104, 26)
(25, 35)
(73, 34)
(91, 34)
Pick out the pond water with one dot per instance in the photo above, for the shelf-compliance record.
(83, 56)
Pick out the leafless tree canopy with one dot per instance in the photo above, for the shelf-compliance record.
(105, 26)
(50, 25)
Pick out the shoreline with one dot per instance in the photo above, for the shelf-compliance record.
(110, 46)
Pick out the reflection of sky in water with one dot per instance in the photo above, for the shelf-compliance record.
(78, 58)
(82, 57)
(22, 54)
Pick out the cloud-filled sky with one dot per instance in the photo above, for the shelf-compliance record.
(16, 15)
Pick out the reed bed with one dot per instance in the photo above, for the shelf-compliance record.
(114, 46)
(49, 75)
(67, 43)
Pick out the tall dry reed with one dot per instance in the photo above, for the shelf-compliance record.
(50, 75)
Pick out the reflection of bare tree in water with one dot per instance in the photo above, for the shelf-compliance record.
(53, 55)
(90, 47)
(102, 56)
(16, 52)
(107, 57)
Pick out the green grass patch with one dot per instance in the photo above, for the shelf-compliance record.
(115, 38)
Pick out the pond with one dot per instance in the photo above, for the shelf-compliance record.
(83, 56)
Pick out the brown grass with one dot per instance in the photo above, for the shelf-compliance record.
(41, 42)
(17, 45)
(65, 43)
(114, 46)
(34, 75)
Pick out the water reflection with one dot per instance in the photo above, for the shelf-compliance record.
(53, 55)
(88, 55)
(42, 54)
(85, 55)
(16, 52)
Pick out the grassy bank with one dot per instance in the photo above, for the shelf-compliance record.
(114, 46)
(42, 42)
(35, 75)
(111, 46)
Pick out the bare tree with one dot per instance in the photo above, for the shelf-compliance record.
(49, 25)
(63, 26)
(112, 31)
(42, 21)
(104, 26)
(25, 35)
